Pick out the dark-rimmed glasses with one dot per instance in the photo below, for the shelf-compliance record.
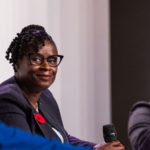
(37, 59)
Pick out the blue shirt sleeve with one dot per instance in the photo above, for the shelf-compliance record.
(15, 139)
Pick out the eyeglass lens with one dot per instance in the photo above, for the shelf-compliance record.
(37, 59)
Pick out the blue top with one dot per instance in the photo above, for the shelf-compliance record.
(15, 139)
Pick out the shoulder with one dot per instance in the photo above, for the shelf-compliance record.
(139, 115)
(11, 97)
(9, 87)
(139, 107)
(138, 125)
(138, 110)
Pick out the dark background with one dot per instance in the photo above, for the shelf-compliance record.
(130, 59)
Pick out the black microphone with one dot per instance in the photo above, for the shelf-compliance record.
(109, 133)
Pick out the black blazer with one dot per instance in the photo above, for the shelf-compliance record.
(15, 110)
(139, 126)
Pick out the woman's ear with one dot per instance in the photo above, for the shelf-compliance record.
(16, 67)
(17, 64)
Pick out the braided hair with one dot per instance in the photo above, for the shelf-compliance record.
(30, 36)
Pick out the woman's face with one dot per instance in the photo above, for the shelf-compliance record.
(37, 78)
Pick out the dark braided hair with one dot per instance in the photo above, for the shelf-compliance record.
(30, 37)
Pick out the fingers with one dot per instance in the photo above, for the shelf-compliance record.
(116, 145)
(118, 148)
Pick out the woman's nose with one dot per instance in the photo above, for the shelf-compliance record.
(45, 65)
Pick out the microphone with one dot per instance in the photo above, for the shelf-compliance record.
(109, 133)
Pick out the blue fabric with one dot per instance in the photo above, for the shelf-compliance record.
(15, 139)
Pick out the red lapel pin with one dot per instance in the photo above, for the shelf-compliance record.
(39, 118)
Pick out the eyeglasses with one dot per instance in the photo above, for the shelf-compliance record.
(37, 59)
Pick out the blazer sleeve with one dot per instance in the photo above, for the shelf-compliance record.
(12, 113)
(139, 126)
(75, 141)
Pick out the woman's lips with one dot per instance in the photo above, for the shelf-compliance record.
(44, 77)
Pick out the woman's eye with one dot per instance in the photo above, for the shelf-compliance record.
(52, 61)
(37, 59)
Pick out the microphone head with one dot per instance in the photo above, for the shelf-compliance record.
(109, 133)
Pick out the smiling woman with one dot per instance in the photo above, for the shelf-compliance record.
(32, 70)
(25, 101)
(34, 73)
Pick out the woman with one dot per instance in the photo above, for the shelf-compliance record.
(25, 101)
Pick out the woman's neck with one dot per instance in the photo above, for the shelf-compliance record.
(31, 95)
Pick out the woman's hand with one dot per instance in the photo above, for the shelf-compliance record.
(115, 145)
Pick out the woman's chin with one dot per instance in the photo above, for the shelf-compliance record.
(44, 84)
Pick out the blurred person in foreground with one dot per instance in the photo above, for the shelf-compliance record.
(139, 126)
(15, 139)
(25, 101)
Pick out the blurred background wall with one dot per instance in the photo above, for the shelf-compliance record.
(80, 29)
